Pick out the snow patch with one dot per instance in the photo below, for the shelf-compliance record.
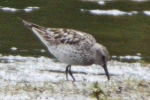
(27, 9)
(42, 78)
(140, 0)
(113, 12)
(146, 13)
(41, 69)
(8, 9)
(101, 2)
(13, 48)
(128, 58)
(30, 9)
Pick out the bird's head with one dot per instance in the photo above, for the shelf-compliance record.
(101, 56)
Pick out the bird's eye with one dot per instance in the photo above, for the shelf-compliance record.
(103, 57)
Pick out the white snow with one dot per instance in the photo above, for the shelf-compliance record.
(8, 9)
(130, 57)
(26, 78)
(113, 12)
(30, 9)
(114, 0)
(29, 68)
(13, 48)
(42, 50)
(97, 0)
(27, 9)
(101, 2)
(146, 12)
(140, 0)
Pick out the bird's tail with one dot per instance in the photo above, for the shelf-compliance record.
(39, 31)
(32, 25)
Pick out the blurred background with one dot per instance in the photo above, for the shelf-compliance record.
(123, 26)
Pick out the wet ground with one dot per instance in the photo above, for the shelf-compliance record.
(30, 78)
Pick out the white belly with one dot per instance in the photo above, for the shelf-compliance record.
(70, 55)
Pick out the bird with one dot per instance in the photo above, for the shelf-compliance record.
(71, 47)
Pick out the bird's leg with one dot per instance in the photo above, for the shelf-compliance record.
(68, 70)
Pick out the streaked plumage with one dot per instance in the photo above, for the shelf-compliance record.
(71, 46)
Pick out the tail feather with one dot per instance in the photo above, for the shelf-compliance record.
(39, 31)
(53, 36)
(31, 25)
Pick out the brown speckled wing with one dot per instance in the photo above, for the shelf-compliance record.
(57, 36)
(69, 36)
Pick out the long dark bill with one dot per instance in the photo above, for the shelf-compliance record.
(105, 67)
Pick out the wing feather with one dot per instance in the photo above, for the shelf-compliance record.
(57, 36)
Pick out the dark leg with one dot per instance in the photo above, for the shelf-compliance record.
(68, 70)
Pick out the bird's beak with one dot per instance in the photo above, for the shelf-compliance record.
(105, 67)
(106, 71)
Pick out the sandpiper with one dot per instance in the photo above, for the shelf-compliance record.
(71, 47)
